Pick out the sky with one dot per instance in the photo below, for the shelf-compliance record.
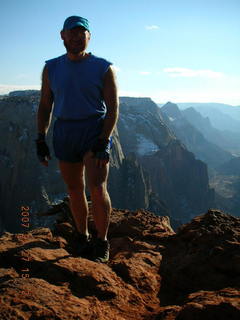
(168, 50)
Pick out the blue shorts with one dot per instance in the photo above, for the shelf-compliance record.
(73, 138)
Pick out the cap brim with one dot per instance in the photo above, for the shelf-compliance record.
(74, 25)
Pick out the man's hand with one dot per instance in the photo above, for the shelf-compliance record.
(101, 151)
(42, 150)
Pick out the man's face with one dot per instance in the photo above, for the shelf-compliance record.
(76, 39)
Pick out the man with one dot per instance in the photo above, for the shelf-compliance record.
(84, 92)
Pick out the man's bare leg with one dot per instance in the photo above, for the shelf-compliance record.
(101, 203)
(73, 175)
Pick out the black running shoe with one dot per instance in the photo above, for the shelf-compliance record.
(83, 245)
(101, 250)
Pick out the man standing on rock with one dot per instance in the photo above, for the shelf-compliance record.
(83, 89)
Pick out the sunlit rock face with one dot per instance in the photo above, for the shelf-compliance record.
(176, 176)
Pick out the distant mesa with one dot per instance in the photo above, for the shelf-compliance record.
(23, 93)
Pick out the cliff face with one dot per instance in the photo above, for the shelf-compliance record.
(180, 179)
(140, 141)
(129, 185)
(175, 175)
(153, 273)
(226, 140)
(24, 182)
(130, 188)
(196, 133)
(219, 123)
(231, 167)
(141, 127)
(226, 182)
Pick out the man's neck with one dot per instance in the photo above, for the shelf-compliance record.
(77, 56)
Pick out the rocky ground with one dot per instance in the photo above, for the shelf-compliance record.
(153, 272)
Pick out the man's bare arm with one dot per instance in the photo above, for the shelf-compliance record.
(44, 113)
(110, 95)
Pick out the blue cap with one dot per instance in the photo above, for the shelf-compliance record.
(75, 21)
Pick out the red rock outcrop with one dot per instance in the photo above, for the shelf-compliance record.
(153, 272)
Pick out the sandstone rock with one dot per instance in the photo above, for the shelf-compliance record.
(203, 255)
(222, 305)
(153, 272)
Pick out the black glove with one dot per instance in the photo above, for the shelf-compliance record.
(42, 148)
(101, 149)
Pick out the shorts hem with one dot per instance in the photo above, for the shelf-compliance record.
(70, 161)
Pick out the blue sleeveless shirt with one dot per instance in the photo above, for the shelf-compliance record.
(77, 86)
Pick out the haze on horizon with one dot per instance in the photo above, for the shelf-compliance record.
(179, 51)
